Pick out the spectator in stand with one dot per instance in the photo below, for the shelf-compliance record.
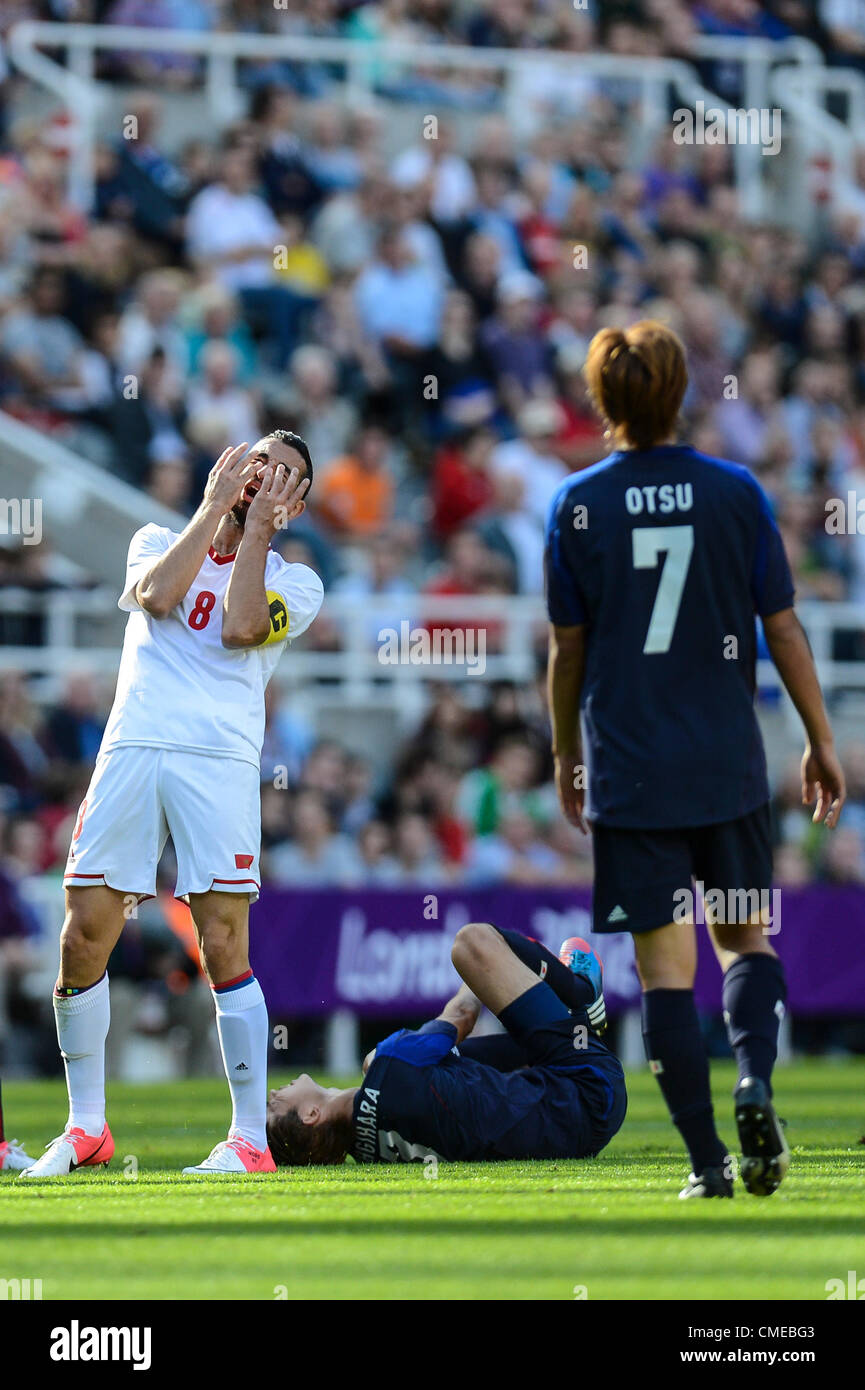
(844, 21)
(479, 274)
(519, 355)
(382, 576)
(356, 494)
(315, 856)
(54, 226)
(446, 173)
(417, 861)
(325, 772)
(44, 350)
(457, 372)
(377, 865)
(471, 567)
(215, 318)
(289, 183)
(507, 783)
(345, 227)
(178, 69)
(323, 415)
(232, 234)
(170, 479)
(73, 729)
(462, 485)
(17, 957)
(151, 321)
(526, 472)
(358, 801)
(19, 721)
(146, 188)
(744, 421)
(218, 409)
(399, 300)
(288, 739)
(580, 439)
(843, 861)
(515, 854)
(146, 424)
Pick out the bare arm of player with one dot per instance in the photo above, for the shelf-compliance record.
(822, 774)
(462, 1011)
(566, 666)
(167, 582)
(246, 614)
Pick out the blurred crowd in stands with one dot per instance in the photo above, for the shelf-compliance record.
(421, 316)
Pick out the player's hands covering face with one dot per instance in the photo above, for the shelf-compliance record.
(279, 498)
(227, 478)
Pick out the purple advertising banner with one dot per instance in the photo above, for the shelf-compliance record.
(387, 951)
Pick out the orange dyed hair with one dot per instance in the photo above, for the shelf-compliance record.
(636, 380)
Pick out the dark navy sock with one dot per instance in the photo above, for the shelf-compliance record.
(754, 995)
(574, 992)
(677, 1056)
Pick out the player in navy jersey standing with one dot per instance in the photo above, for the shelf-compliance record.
(657, 560)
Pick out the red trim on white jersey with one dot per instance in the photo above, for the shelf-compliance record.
(222, 559)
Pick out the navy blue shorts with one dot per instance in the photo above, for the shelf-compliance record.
(553, 1037)
(640, 874)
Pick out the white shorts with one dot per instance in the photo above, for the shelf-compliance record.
(139, 796)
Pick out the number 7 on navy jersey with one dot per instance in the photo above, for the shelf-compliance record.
(648, 543)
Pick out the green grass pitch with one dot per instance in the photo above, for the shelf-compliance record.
(548, 1230)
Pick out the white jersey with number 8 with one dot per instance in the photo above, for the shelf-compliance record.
(178, 687)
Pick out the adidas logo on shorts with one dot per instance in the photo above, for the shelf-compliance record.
(618, 914)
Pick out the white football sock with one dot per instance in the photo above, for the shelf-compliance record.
(82, 1027)
(241, 1021)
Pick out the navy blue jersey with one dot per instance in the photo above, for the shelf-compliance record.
(420, 1098)
(665, 555)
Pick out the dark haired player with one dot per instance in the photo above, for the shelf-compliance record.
(211, 610)
(549, 1088)
(658, 559)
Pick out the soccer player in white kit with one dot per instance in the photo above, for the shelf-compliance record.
(210, 612)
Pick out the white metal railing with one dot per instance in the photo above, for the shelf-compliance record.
(792, 73)
(364, 63)
(74, 617)
(819, 133)
(764, 66)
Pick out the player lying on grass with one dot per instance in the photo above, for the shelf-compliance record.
(210, 611)
(548, 1088)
